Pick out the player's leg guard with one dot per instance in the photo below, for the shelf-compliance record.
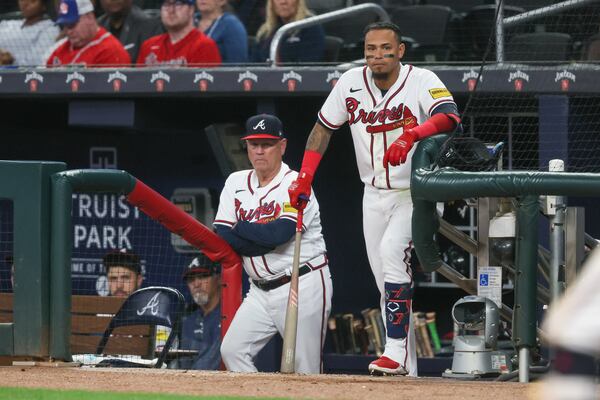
(398, 301)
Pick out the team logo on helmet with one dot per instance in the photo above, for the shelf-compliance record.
(333, 77)
(75, 79)
(247, 79)
(159, 80)
(117, 78)
(292, 78)
(34, 79)
(565, 77)
(471, 79)
(518, 77)
(202, 80)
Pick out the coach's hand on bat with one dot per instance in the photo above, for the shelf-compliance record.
(299, 190)
(398, 151)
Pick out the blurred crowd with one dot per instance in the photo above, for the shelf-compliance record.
(178, 32)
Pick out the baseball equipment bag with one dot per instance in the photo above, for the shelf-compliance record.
(469, 154)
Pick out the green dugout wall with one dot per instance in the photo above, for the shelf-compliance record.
(27, 185)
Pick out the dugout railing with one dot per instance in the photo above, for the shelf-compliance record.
(43, 240)
(429, 186)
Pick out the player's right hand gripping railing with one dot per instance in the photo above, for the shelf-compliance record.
(429, 186)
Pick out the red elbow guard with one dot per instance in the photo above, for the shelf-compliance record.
(310, 162)
(436, 124)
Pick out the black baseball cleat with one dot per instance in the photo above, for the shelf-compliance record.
(384, 366)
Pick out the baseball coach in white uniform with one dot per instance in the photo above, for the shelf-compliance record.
(388, 106)
(255, 217)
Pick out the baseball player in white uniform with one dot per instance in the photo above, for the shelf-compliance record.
(572, 328)
(389, 106)
(255, 217)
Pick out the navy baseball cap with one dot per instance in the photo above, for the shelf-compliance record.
(201, 266)
(122, 258)
(188, 2)
(70, 10)
(264, 126)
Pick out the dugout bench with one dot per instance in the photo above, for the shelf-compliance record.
(90, 316)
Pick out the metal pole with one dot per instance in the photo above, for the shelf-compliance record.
(319, 19)
(524, 364)
(500, 31)
(544, 12)
(557, 223)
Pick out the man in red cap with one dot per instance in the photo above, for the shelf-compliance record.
(257, 220)
(86, 43)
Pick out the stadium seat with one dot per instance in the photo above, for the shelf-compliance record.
(460, 7)
(333, 46)
(427, 25)
(350, 30)
(591, 49)
(539, 46)
(323, 6)
(478, 26)
(155, 306)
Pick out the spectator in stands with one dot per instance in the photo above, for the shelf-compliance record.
(304, 45)
(201, 325)
(86, 43)
(128, 23)
(25, 41)
(183, 44)
(225, 29)
(123, 271)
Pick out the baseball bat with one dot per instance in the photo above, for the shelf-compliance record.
(288, 355)
(437, 346)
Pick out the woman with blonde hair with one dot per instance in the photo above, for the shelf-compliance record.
(302, 45)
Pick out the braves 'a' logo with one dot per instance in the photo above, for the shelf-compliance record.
(262, 214)
(152, 306)
(261, 125)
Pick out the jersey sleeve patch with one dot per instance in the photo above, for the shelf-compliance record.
(439, 92)
(287, 207)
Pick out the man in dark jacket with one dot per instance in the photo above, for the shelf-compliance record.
(129, 24)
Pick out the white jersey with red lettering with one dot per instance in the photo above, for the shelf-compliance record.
(376, 120)
(243, 200)
(355, 99)
(262, 313)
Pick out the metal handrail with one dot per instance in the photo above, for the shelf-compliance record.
(319, 19)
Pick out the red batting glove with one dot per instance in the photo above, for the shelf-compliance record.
(397, 152)
(299, 190)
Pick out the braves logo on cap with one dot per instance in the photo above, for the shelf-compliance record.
(261, 125)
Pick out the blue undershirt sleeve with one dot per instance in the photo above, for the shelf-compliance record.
(271, 234)
(240, 245)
